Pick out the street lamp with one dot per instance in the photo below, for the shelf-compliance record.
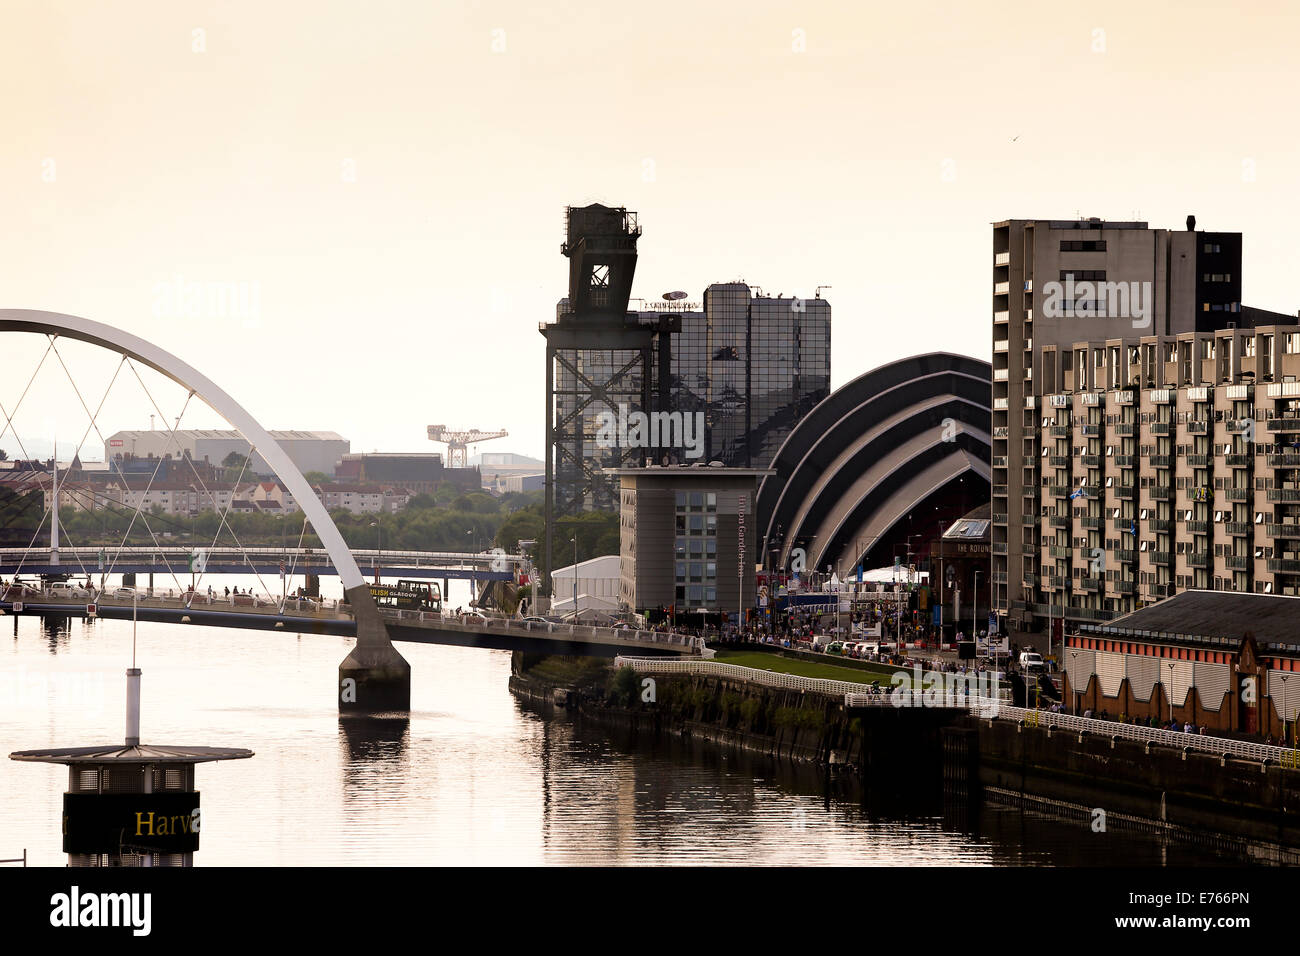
(574, 542)
(1074, 689)
(374, 564)
(1283, 678)
(1170, 690)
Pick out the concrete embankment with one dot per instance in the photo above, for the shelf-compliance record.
(1197, 794)
(940, 751)
(785, 724)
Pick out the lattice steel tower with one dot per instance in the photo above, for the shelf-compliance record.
(598, 357)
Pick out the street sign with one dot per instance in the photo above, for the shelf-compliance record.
(17, 607)
(91, 610)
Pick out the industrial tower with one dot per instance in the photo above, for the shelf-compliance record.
(598, 356)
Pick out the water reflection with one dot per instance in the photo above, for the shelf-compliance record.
(472, 776)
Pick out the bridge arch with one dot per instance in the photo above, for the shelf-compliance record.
(185, 375)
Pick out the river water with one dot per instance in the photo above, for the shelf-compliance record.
(474, 778)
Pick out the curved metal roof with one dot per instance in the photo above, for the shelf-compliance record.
(872, 451)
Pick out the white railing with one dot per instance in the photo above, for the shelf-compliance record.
(816, 685)
(1224, 746)
(9, 555)
(986, 707)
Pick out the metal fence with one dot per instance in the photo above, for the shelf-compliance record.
(985, 707)
(815, 685)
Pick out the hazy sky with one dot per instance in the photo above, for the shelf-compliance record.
(386, 181)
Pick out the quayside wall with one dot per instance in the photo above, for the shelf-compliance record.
(936, 750)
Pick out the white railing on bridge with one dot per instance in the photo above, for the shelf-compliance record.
(415, 558)
(627, 635)
(261, 603)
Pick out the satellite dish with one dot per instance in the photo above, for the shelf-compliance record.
(673, 296)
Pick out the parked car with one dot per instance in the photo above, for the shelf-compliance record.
(1031, 661)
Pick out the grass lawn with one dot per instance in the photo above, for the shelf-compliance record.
(785, 665)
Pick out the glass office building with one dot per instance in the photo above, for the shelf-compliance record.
(754, 365)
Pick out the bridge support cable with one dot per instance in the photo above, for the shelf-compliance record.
(94, 424)
(22, 449)
(374, 678)
(252, 450)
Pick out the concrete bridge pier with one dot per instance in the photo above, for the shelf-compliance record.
(374, 678)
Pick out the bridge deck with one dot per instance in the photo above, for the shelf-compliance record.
(333, 617)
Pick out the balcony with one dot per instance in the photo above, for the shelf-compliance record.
(1000, 317)
(1093, 521)
(999, 518)
(1125, 492)
(1283, 494)
(1161, 524)
(1127, 555)
(1126, 428)
(1059, 491)
(1161, 493)
(1197, 428)
(1238, 527)
(1125, 587)
(1060, 521)
(1029, 521)
(1162, 557)
(1059, 431)
(1284, 461)
(1000, 345)
(1288, 530)
(1001, 288)
(999, 375)
(1240, 461)
(1002, 259)
(1091, 429)
(1092, 461)
(1199, 560)
(1060, 551)
(1198, 461)
(1161, 461)
(1198, 527)
(1284, 425)
(999, 461)
(999, 491)
(1236, 425)
(1286, 565)
(1237, 562)
(1243, 494)
(1090, 584)
(1160, 428)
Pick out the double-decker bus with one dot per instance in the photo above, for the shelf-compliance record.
(408, 595)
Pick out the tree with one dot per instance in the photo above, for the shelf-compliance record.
(4, 455)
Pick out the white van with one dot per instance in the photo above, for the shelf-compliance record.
(1031, 661)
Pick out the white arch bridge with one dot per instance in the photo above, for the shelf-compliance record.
(374, 677)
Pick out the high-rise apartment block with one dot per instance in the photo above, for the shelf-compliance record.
(1145, 423)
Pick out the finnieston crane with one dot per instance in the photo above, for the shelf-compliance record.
(458, 442)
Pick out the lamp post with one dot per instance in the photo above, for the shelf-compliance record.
(1283, 679)
(379, 537)
(1170, 690)
(1074, 690)
(574, 542)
